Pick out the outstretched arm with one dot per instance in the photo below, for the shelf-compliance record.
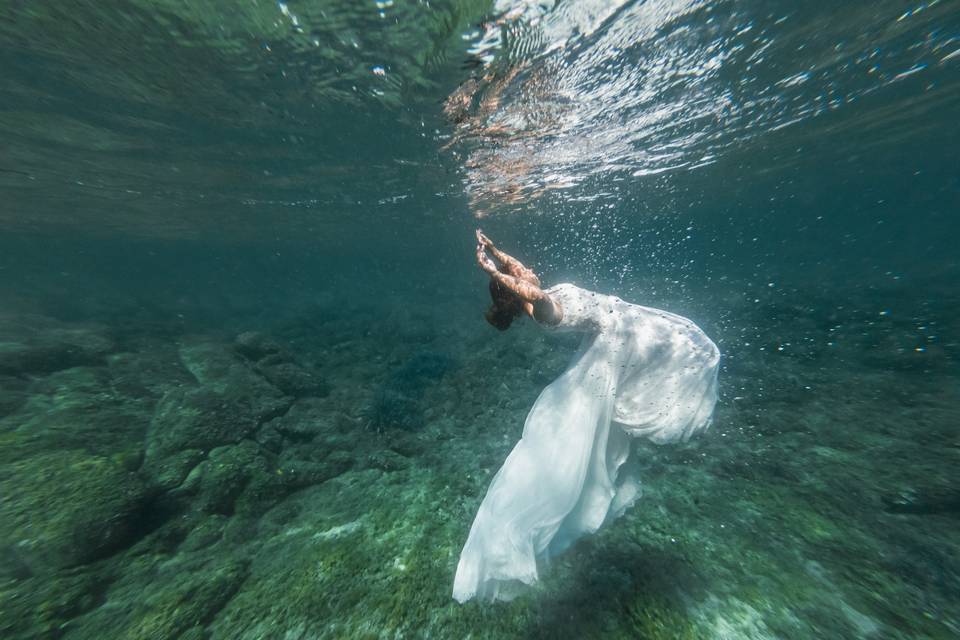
(526, 291)
(511, 265)
(541, 307)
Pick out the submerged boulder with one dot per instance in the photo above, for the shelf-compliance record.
(64, 508)
(304, 422)
(172, 599)
(218, 368)
(211, 448)
(256, 346)
(198, 419)
(203, 419)
(168, 473)
(294, 380)
(75, 408)
(279, 366)
(40, 606)
(36, 344)
(229, 403)
(147, 373)
(207, 531)
(219, 480)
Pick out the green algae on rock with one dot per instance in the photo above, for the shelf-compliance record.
(161, 600)
(39, 606)
(39, 344)
(360, 531)
(75, 408)
(199, 419)
(63, 508)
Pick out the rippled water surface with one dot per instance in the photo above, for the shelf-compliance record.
(246, 386)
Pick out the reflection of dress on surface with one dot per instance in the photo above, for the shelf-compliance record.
(648, 373)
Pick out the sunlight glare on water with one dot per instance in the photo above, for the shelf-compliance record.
(596, 89)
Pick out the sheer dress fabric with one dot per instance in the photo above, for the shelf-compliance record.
(639, 372)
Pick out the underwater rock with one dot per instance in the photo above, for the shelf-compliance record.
(149, 373)
(270, 438)
(203, 419)
(308, 553)
(294, 380)
(219, 368)
(77, 408)
(240, 479)
(172, 599)
(268, 380)
(239, 474)
(360, 555)
(38, 607)
(279, 367)
(207, 532)
(313, 428)
(167, 473)
(307, 419)
(64, 508)
(297, 474)
(388, 460)
(34, 344)
(256, 346)
(216, 482)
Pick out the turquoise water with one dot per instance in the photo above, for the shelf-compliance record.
(246, 386)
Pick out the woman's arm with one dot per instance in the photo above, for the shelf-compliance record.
(511, 265)
(526, 291)
(541, 307)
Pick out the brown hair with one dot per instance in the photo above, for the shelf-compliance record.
(506, 306)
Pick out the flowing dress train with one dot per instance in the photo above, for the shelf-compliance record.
(638, 372)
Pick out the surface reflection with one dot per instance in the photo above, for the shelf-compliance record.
(576, 90)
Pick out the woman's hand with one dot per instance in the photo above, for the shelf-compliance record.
(484, 260)
(483, 240)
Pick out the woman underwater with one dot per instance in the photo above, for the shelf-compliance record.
(638, 372)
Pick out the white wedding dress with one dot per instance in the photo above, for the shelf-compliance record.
(638, 372)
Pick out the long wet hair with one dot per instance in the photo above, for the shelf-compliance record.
(506, 306)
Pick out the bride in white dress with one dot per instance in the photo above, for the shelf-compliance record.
(639, 372)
